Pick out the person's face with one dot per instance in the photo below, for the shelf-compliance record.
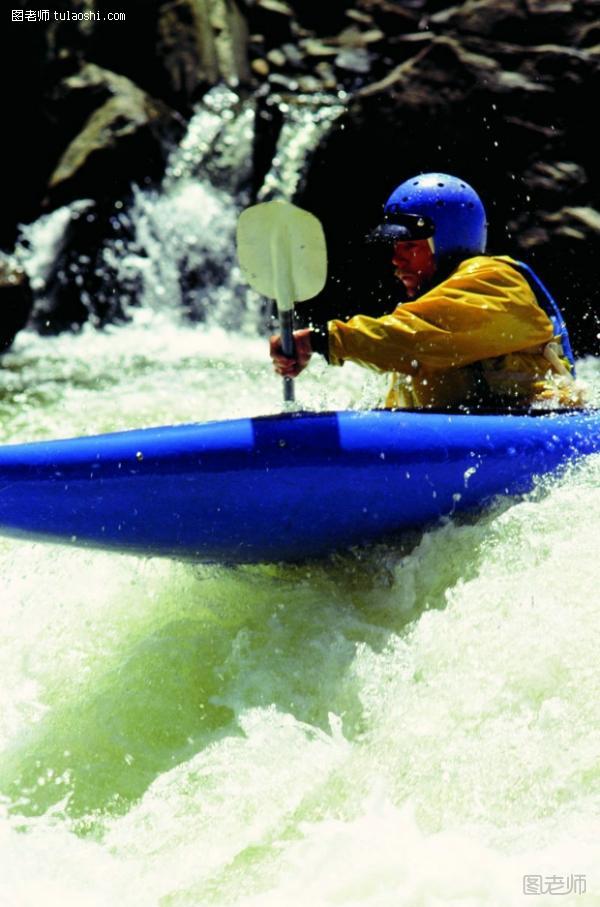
(413, 264)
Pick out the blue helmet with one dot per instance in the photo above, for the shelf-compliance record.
(439, 206)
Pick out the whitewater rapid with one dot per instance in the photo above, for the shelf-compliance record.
(413, 724)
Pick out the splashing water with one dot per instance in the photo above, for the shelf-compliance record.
(410, 724)
(217, 145)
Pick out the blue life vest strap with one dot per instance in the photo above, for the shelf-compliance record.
(549, 305)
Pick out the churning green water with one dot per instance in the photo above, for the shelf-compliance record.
(412, 725)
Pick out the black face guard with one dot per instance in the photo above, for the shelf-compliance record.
(399, 227)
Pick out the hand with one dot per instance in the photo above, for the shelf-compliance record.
(290, 367)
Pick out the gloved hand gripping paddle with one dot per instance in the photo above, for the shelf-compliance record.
(282, 254)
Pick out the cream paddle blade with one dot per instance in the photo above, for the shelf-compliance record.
(282, 254)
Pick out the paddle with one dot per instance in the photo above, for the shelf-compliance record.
(282, 254)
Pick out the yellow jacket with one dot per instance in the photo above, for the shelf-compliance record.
(477, 337)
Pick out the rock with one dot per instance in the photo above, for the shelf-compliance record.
(109, 44)
(586, 34)
(292, 54)
(390, 16)
(583, 219)
(354, 37)
(16, 301)
(373, 36)
(281, 81)
(357, 16)
(298, 31)
(500, 19)
(552, 180)
(202, 42)
(534, 237)
(125, 138)
(548, 7)
(443, 17)
(324, 18)
(444, 71)
(276, 6)
(315, 48)
(327, 75)
(276, 57)
(559, 248)
(309, 84)
(564, 68)
(354, 59)
(260, 67)
(81, 282)
(534, 22)
(231, 42)
(277, 25)
(499, 113)
(413, 38)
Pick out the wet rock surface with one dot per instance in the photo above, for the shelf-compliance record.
(490, 89)
(16, 300)
(125, 127)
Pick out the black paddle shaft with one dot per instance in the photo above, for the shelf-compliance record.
(286, 324)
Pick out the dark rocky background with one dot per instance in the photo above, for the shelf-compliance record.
(501, 92)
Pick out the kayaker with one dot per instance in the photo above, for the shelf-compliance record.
(477, 330)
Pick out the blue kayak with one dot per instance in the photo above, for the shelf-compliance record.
(278, 488)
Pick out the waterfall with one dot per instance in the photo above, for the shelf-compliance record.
(186, 232)
(306, 120)
(172, 249)
(182, 254)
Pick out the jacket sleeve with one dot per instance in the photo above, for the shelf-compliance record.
(484, 309)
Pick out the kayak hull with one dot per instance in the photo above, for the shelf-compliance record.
(280, 488)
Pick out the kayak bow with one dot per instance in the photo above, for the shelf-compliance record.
(278, 487)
